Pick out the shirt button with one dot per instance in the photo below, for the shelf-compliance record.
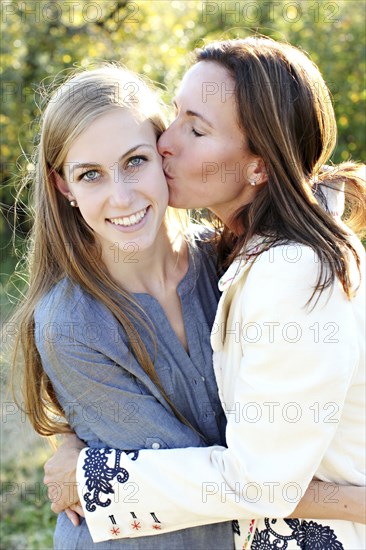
(211, 413)
(155, 446)
(203, 378)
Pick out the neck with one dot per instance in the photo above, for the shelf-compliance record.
(154, 271)
(227, 219)
(226, 211)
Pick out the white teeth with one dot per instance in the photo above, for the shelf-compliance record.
(130, 220)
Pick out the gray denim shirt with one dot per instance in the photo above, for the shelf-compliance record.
(110, 401)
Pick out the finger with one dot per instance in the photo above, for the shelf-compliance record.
(78, 509)
(56, 508)
(59, 505)
(73, 517)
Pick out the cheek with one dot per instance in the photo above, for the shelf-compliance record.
(207, 160)
(90, 204)
(193, 165)
(89, 214)
(158, 184)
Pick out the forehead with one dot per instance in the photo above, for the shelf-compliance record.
(113, 132)
(208, 88)
(207, 80)
(117, 119)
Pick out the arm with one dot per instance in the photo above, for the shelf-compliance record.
(194, 486)
(349, 504)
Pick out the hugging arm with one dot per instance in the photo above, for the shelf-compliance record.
(322, 500)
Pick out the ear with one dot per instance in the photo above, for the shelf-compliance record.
(256, 171)
(60, 184)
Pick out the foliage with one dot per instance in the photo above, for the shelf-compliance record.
(27, 521)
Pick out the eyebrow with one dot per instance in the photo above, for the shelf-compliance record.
(73, 166)
(193, 113)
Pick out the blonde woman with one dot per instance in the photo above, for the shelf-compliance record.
(102, 327)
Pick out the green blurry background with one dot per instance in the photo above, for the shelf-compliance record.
(40, 39)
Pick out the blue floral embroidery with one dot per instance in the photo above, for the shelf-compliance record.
(308, 535)
(261, 541)
(313, 536)
(99, 475)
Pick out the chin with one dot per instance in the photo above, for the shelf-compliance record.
(174, 203)
(178, 202)
(174, 199)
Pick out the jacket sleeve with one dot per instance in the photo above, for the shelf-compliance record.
(291, 379)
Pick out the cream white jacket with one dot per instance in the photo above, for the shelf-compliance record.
(291, 377)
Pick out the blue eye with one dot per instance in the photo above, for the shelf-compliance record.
(90, 175)
(136, 161)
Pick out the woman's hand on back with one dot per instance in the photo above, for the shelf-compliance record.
(60, 477)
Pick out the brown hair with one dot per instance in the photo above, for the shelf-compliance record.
(287, 117)
(65, 244)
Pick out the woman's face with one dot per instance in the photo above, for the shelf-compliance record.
(114, 172)
(206, 159)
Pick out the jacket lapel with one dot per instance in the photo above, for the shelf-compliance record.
(228, 285)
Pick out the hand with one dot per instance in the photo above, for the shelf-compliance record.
(60, 475)
(73, 514)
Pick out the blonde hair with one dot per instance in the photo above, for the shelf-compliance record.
(65, 244)
(286, 115)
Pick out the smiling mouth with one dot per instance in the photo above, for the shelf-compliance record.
(127, 221)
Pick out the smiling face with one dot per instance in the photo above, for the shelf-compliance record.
(206, 158)
(114, 172)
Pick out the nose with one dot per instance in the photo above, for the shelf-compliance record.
(122, 189)
(165, 143)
